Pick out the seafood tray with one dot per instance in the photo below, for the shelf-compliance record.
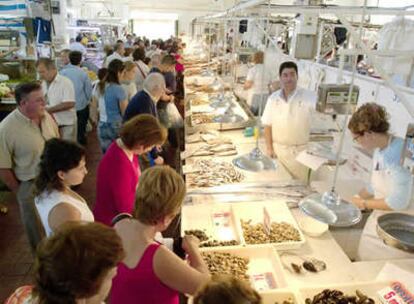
(284, 233)
(205, 121)
(215, 221)
(216, 149)
(201, 118)
(210, 173)
(369, 289)
(264, 269)
(279, 296)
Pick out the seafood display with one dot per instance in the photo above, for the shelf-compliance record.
(200, 234)
(206, 241)
(199, 101)
(338, 297)
(219, 149)
(201, 118)
(226, 263)
(215, 243)
(287, 301)
(212, 173)
(279, 232)
(300, 264)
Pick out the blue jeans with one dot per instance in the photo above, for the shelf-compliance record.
(107, 133)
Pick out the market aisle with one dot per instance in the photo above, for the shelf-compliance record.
(16, 261)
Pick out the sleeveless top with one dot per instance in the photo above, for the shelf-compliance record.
(47, 200)
(141, 284)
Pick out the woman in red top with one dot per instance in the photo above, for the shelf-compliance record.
(118, 171)
(150, 273)
(177, 52)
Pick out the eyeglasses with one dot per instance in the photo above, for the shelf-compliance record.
(355, 139)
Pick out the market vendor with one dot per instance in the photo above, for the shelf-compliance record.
(287, 119)
(257, 84)
(390, 188)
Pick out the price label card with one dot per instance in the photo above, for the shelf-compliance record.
(263, 281)
(395, 294)
(221, 219)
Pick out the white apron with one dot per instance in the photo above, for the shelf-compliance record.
(291, 129)
(249, 97)
(371, 246)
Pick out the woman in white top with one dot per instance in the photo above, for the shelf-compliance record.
(128, 79)
(143, 69)
(257, 83)
(62, 165)
(390, 188)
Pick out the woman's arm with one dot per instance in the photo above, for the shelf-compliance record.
(123, 105)
(248, 84)
(63, 212)
(176, 273)
(371, 203)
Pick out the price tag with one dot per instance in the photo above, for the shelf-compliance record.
(221, 219)
(263, 281)
(266, 221)
(395, 294)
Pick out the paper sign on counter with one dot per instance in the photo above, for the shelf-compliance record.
(311, 161)
(263, 281)
(221, 219)
(222, 226)
(395, 294)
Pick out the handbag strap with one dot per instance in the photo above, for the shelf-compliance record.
(142, 72)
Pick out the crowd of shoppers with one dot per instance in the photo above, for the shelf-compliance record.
(43, 157)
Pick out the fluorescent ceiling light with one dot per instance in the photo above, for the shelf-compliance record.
(135, 14)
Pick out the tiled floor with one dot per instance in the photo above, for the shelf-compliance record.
(16, 261)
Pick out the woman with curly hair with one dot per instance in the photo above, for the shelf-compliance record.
(227, 289)
(62, 165)
(75, 265)
(390, 188)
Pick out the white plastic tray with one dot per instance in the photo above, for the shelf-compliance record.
(278, 296)
(368, 288)
(211, 218)
(263, 263)
(278, 212)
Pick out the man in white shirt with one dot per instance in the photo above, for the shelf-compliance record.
(287, 119)
(257, 83)
(118, 53)
(60, 97)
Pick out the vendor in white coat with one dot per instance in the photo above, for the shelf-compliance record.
(257, 84)
(391, 184)
(287, 120)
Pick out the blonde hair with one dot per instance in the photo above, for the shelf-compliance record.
(227, 289)
(370, 117)
(160, 193)
(258, 57)
(129, 66)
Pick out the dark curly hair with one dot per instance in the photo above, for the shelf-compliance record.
(370, 117)
(58, 155)
(73, 262)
